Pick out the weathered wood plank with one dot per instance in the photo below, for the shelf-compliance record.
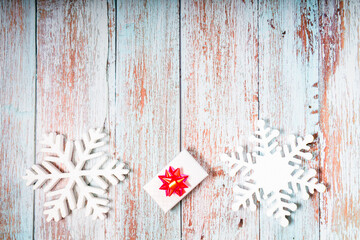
(340, 119)
(288, 77)
(219, 59)
(77, 89)
(110, 227)
(17, 101)
(147, 112)
(72, 91)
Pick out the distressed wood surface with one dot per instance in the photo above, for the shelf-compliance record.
(340, 119)
(162, 76)
(288, 95)
(147, 112)
(17, 101)
(219, 86)
(72, 91)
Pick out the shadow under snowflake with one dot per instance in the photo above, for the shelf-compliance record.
(273, 173)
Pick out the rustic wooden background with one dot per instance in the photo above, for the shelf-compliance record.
(169, 75)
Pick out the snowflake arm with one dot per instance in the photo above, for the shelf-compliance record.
(279, 207)
(238, 163)
(44, 173)
(306, 182)
(299, 149)
(58, 207)
(53, 147)
(264, 137)
(246, 195)
(85, 148)
(95, 206)
(113, 172)
(48, 174)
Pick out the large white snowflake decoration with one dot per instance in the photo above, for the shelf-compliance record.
(76, 193)
(273, 173)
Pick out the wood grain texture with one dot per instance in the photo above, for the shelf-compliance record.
(168, 75)
(288, 95)
(111, 228)
(340, 119)
(72, 91)
(219, 60)
(147, 112)
(17, 101)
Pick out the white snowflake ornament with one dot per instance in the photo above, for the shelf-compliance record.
(76, 193)
(273, 173)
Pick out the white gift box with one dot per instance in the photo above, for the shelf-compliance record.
(188, 166)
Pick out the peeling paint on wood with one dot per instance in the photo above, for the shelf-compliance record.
(72, 91)
(219, 57)
(288, 93)
(147, 113)
(294, 63)
(17, 113)
(340, 119)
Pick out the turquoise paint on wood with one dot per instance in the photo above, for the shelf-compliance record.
(288, 77)
(340, 119)
(219, 83)
(147, 112)
(119, 63)
(17, 101)
(72, 93)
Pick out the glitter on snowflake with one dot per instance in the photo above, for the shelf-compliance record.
(273, 173)
(76, 193)
(173, 181)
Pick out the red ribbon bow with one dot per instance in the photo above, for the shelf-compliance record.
(173, 181)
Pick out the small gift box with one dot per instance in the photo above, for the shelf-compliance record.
(175, 181)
